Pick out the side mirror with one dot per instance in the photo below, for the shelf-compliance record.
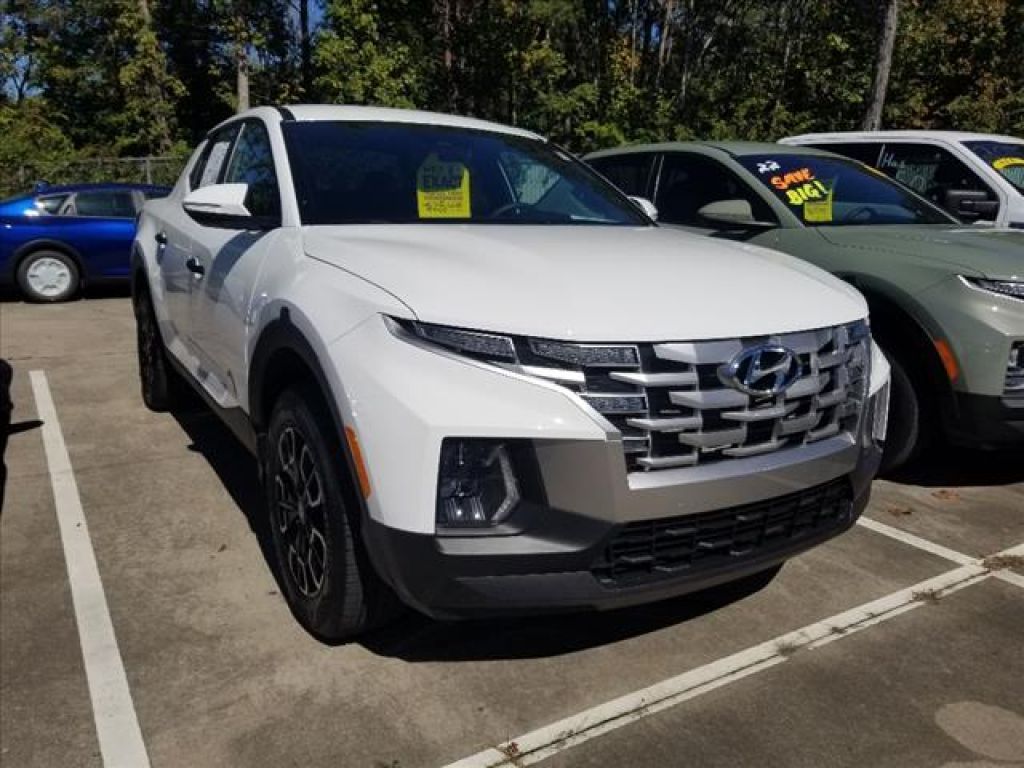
(733, 214)
(223, 206)
(646, 206)
(970, 203)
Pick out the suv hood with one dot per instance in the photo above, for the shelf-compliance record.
(590, 283)
(995, 253)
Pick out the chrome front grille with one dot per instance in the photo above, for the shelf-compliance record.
(670, 403)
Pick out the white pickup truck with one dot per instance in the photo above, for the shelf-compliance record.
(479, 378)
(977, 177)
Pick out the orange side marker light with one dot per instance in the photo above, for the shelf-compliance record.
(357, 458)
(948, 359)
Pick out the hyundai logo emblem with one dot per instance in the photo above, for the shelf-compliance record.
(762, 371)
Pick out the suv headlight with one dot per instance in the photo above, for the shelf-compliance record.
(1012, 288)
(1015, 369)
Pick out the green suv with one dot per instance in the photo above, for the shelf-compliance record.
(946, 300)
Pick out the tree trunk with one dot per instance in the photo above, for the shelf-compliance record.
(443, 10)
(664, 43)
(873, 119)
(305, 48)
(242, 77)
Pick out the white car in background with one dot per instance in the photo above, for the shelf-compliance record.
(478, 377)
(977, 177)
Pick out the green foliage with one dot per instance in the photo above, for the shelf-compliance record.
(32, 143)
(354, 64)
(82, 78)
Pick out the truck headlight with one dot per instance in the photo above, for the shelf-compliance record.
(481, 481)
(1011, 288)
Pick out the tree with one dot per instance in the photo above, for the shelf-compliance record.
(354, 63)
(886, 42)
(147, 118)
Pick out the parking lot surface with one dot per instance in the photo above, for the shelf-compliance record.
(895, 644)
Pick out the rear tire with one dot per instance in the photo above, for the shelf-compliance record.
(329, 584)
(908, 432)
(161, 385)
(48, 276)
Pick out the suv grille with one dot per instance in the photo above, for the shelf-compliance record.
(673, 409)
(653, 549)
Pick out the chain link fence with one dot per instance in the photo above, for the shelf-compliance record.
(143, 170)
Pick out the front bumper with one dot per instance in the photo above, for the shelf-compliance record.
(553, 554)
(562, 560)
(980, 411)
(983, 421)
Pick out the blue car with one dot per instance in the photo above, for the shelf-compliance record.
(55, 239)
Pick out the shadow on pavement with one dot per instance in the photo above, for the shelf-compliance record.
(6, 408)
(10, 294)
(417, 638)
(414, 637)
(235, 467)
(947, 466)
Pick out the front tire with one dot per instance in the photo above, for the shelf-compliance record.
(48, 277)
(907, 433)
(330, 586)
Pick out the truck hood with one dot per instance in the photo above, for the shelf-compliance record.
(995, 253)
(588, 282)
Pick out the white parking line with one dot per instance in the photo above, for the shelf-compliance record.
(117, 727)
(916, 541)
(944, 552)
(554, 738)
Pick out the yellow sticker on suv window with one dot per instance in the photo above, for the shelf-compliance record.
(1006, 162)
(818, 211)
(442, 189)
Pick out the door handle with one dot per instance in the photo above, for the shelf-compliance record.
(161, 238)
(192, 265)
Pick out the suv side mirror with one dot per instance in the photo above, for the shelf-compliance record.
(969, 203)
(646, 206)
(733, 214)
(223, 206)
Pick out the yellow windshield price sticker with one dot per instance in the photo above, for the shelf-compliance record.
(442, 189)
(1006, 162)
(818, 211)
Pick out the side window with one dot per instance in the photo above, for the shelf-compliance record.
(689, 182)
(118, 205)
(630, 173)
(252, 163)
(210, 166)
(933, 172)
(50, 205)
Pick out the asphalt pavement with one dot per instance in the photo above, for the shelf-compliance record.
(896, 644)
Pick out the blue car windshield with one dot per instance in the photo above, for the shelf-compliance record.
(833, 191)
(349, 172)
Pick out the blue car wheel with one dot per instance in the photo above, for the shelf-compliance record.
(48, 276)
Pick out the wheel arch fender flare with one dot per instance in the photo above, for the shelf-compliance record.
(896, 317)
(282, 339)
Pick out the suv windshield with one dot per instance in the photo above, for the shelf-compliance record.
(1006, 157)
(389, 173)
(833, 191)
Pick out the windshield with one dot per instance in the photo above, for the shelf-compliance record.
(1006, 157)
(833, 191)
(390, 173)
